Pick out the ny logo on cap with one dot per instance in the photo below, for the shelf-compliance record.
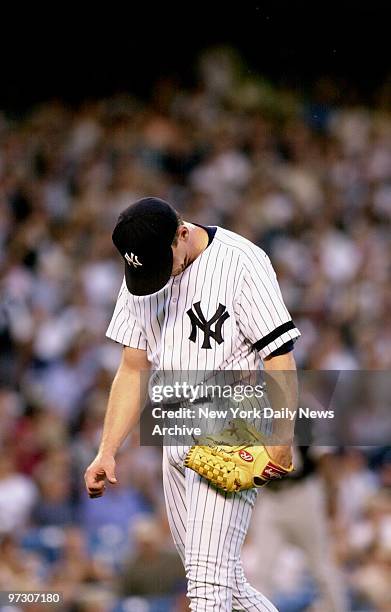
(133, 259)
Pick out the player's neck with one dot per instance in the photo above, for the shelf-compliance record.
(199, 240)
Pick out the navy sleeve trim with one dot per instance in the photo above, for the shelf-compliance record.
(276, 333)
(210, 230)
(283, 350)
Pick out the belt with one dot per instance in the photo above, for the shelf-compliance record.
(198, 400)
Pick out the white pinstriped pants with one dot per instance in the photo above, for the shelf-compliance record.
(209, 527)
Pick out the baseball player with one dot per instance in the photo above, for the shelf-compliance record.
(203, 299)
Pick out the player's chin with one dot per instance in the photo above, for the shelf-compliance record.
(179, 270)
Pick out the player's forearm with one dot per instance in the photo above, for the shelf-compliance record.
(124, 407)
(282, 392)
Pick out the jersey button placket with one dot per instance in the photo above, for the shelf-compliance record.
(174, 296)
(172, 311)
(175, 290)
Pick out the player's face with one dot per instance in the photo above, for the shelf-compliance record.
(181, 251)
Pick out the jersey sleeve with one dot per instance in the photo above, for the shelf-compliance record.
(123, 327)
(263, 317)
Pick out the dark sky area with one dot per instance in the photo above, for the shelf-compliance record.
(73, 54)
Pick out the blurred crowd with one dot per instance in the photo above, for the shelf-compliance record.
(306, 178)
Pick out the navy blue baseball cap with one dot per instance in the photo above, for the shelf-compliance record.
(143, 235)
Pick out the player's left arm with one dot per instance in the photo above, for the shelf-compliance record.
(265, 321)
(282, 392)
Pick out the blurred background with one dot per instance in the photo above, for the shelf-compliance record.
(271, 121)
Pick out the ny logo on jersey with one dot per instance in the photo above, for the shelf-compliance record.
(198, 320)
(133, 260)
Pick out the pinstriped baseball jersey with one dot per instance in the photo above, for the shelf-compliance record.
(225, 311)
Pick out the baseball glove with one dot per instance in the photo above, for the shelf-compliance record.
(234, 468)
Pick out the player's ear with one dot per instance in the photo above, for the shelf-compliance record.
(180, 235)
(183, 232)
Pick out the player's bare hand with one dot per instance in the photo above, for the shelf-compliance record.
(281, 455)
(100, 470)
